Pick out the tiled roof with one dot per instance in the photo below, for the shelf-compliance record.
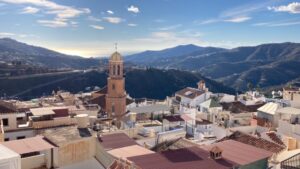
(239, 153)
(238, 107)
(4, 109)
(174, 118)
(273, 136)
(190, 92)
(28, 145)
(254, 141)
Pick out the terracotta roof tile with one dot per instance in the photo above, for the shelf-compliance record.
(254, 141)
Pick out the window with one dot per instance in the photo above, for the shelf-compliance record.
(6, 139)
(20, 137)
(113, 108)
(119, 70)
(5, 122)
(114, 70)
(113, 86)
(19, 118)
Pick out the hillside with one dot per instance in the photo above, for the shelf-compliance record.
(150, 83)
(264, 65)
(12, 50)
(166, 56)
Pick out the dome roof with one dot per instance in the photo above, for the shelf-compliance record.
(116, 56)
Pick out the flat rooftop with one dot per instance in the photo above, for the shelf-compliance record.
(61, 136)
(116, 140)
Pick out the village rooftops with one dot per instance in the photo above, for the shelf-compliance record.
(238, 107)
(174, 118)
(28, 145)
(269, 108)
(183, 158)
(45, 111)
(190, 92)
(64, 135)
(130, 151)
(210, 103)
(116, 140)
(255, 141)
(289, 110)
(240, 153)
(150, 108)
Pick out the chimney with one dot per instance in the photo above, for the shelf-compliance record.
(215, 153)
(201, 85)
(82, 120)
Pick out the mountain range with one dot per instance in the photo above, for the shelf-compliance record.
(263, 66)
(12, 50)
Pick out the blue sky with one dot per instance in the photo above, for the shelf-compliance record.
(91, 27)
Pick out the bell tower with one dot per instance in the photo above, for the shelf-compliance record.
(116, 94)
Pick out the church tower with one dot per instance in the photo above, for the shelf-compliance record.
(116, 94)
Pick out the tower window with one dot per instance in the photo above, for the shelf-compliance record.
(119, 70)
(113, 108)
(113, 86)
(114, 70)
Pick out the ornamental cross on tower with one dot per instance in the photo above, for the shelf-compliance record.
(116, 46)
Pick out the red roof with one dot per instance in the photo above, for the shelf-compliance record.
(28, 145)
(117, 140)
(254, 141)
(240, 153)
(185, 158)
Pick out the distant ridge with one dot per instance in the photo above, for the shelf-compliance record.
(12, 50)
(263, 66)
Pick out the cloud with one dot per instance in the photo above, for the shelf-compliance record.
(279, 23)
(132, 24)
(133, 9)
(61, 12)
(30, 10)
(170, 27)
(114, 20)
(238, 19)
(92, 18)
(97, 27)
(110, 12)
(6, 34)
(162, 35)
(293, 8)
(14, 35)
(245, 9)
(208, 21)
(53, 23)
